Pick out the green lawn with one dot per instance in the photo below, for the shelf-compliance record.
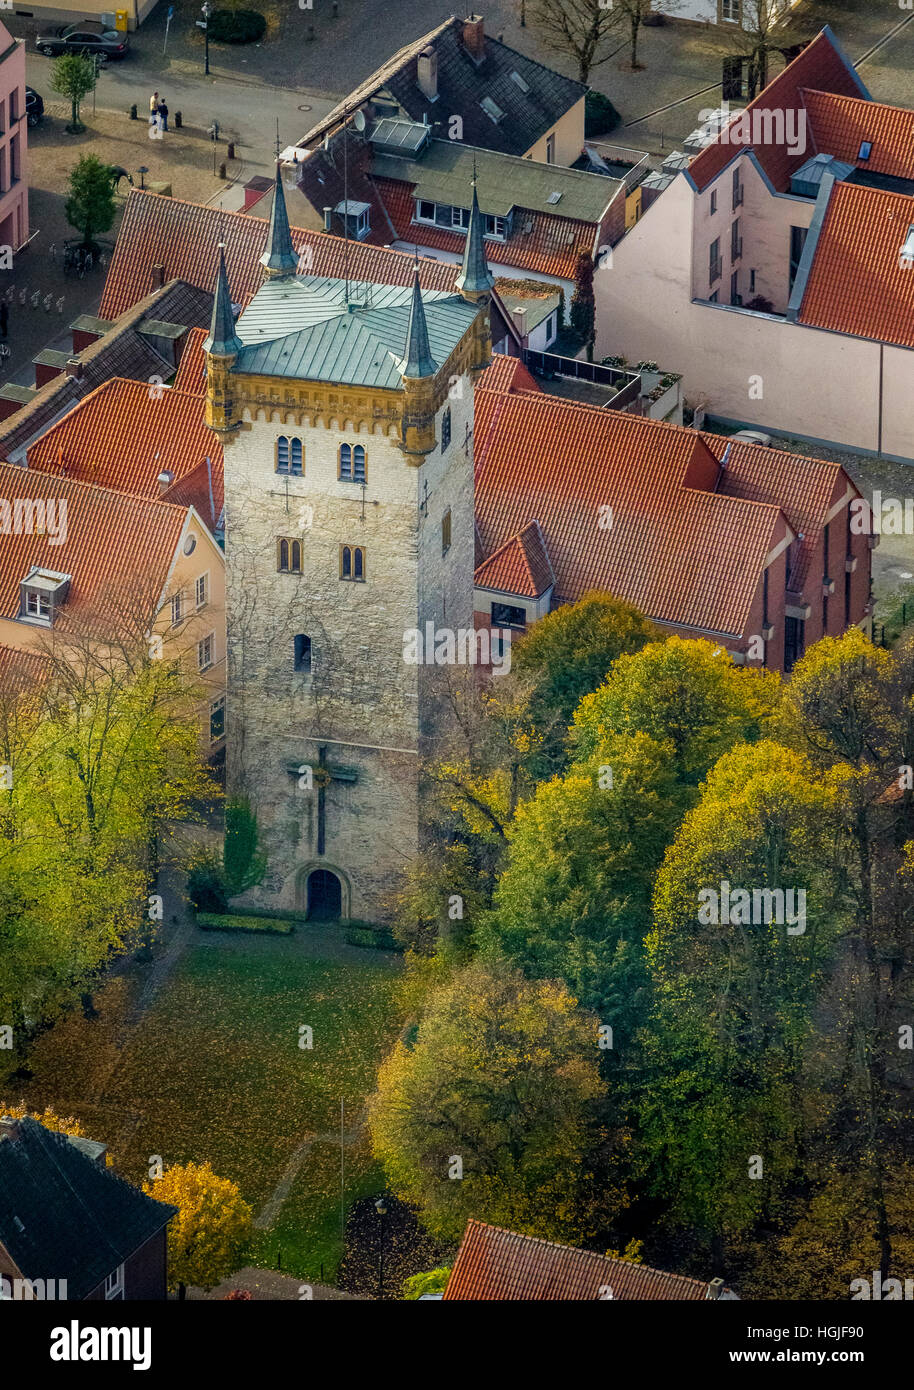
(214, 1071)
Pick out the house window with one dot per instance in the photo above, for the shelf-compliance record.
(496, 227)
(735, 296)
(714, 261)
(506, 615)
(352, 463)
(289, 455)
(794, 638)
(737, 190)
(201, 591)
(217, 719)
(302, 650)
(446, 429)
(460, 217)
(736, 241)
(289, 556)
(177, 609)
(352, 562)
(713, 201)
(550, 149)
(752, 282)
(425, 211)
(205, 649)
(730, 11)
(797, 242)
(446, 532)
(38, 605)
(114, 1284)
(713, 298)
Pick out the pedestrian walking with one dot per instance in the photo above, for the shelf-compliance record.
(4, 317)
(163, 114)
(153, 107)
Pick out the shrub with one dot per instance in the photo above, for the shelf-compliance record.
(206, 885)
(236, 921)
(236, 26)
(600, 116)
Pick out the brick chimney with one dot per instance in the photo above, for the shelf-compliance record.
(158, 277)
(427, 72)
(474, 37)
(519, 318)
(75, 368)
(165, 480)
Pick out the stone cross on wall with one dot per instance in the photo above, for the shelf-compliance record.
(324, 775)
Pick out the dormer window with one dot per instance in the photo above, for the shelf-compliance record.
(496, 227)
(42, 594)
(492, 109)
(357, 218)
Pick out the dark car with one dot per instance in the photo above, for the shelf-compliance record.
(34, 106)
(88, 36)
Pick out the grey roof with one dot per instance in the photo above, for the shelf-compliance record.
(280, 254)
(812, 172)
(444, 171)
(222, 336)
(537, 308)
(417, 360)
(531, 106)
(122, 350)
(65, 1216)
(303, 328)
(474, 272)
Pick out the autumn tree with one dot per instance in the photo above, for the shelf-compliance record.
(568, 654)
(581, 30)
(498, 1090)
(208, 1237)
(763, 27)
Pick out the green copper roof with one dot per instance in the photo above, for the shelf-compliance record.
(418, 360)
(474, 273)
(303, 328)
(280, 254)
(222, 336)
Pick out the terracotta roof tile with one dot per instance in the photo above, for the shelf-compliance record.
(683, 554)
(820, 67)
(191, 373)
(123, 436)
(859, 283)
(507, 374)
(551, 247)
(183, 238)
(103, 528)
(841, 124)
(22, 670)
(497, 1265)
(521, 566)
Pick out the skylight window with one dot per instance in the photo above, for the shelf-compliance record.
(866, 149)
(906, 256)
(516, 77)
(553, 198)
(492, 109)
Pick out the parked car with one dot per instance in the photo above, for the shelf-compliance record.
(34, 106)
(88, 36)
(754, 437)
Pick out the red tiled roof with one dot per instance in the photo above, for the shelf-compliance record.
(858, 283)
(805, 489)
(551, 247)
(497, 1265)
(182, 237)
(683, 554)
(124, 435)
(840, 125)
(521, 566)
(21, 670)
(107, 535)
(191, 373)
(820, 67)
(507, 374)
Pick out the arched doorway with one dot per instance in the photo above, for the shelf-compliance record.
(325, 896)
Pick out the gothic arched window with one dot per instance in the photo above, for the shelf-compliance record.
(290, 455)
(352, 562)
(352, 463)
(302, 652)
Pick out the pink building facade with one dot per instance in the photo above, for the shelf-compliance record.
(14, 188)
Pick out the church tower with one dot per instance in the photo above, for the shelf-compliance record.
(346, 411)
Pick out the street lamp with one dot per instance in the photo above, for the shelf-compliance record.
(380, 1207)
(207, 11)
(142, 171)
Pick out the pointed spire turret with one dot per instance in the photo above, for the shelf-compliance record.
(474, 280)
(418, 361)
(223, 341)
(279, 258)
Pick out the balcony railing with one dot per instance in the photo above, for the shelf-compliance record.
(737, 197)
(715, 270)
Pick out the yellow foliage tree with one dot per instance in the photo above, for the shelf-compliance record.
(207, 1239)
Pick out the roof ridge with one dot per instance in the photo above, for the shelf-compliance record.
(609, 1259)
(86, 485)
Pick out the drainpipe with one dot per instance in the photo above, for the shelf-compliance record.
(881, 372)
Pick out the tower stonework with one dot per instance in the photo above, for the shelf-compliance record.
(346, 411)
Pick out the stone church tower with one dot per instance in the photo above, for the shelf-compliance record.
(346, 412)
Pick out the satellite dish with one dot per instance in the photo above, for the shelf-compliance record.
(358, 120)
